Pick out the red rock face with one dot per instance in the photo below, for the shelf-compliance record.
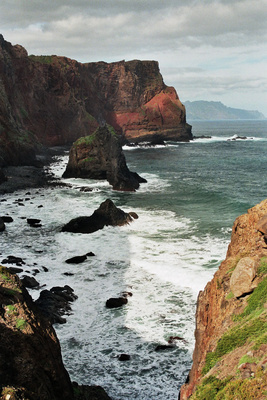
(215, 306)
(55, 100)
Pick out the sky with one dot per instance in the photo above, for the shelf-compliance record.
(214, 50)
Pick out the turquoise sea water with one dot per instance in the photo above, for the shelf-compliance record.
(186, 211)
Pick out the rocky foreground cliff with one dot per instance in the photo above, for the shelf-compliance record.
(230, 356)
(31, 364)
(51, 100)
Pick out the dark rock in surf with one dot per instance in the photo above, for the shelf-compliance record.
(106, 214)
(163, 347)
(13, 260)
(7, 219)
(33, 222)
(2, 225)
(54, 303)
(76, 259)
(124, 357)
(115, 302)
(15, 270)
(29, 282)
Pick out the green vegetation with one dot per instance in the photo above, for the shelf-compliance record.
(262, 270)
(87, 160)
(23, 113)
(247, 359)
(21, 324)
(42, 59)
(112, 130)
(90, 117)
(11, 310)
(230, 296)
(85, 140)
(256, 300)
(213, 388)
(209, 388)
(235, 337)
(4, 274)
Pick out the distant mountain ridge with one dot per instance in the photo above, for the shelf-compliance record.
(215, 110)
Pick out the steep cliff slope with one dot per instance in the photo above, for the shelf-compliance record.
(55, 100)
(230, 356)
(30, 359)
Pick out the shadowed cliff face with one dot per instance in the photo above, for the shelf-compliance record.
(229, 359)
(55, 100)
(30, 358)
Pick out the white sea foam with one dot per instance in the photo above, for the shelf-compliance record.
(235, 137)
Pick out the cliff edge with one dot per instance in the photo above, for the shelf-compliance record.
(229, 360)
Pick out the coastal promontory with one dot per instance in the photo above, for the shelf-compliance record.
(53, 100)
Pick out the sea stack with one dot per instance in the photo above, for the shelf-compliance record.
(100, 156)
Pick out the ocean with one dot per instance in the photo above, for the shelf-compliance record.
(186, 210)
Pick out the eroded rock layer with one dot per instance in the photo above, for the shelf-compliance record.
(230, 356)
(55, 100)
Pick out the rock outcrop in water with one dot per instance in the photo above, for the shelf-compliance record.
(53, 100)
(230, 356)
(100, 156)
(107, 214)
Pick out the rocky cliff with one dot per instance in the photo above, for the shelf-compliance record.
(229, 360)
(100, 156)
(30, 359)
(53, 100)
(31, 364)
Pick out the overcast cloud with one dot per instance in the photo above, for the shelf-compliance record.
(207, 49)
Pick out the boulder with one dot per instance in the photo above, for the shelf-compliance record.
(7, 219)
(116, 302)
(124, 357)
(13, 260)
(262, 225)
(106, 214)
(242, 276)
(100, 156)
(33, 221)
(76, 259)
(54, 303)
(29, 282)
(2, 225)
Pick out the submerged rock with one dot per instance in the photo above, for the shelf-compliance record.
(100, 156)
(106, 214)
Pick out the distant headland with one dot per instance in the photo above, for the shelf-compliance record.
(215, 110)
